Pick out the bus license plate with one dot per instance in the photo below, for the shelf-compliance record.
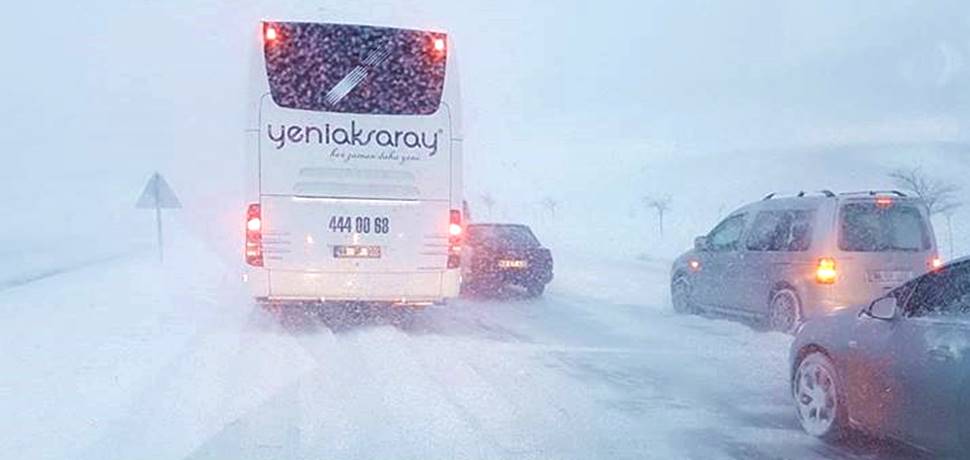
(357, 252)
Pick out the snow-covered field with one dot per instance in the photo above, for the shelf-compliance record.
(128, 359)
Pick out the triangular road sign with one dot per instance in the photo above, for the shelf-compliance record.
(158, 194)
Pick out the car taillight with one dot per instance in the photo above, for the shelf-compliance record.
(825, 272)
(455, 231)
(935, 263)
(254, 236)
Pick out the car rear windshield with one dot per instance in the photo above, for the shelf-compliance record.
(869, 227)
(355, 69)
(509, 235)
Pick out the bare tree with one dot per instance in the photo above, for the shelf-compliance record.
(550, 204)
(940, 196)
(660, 206)
(489, 202)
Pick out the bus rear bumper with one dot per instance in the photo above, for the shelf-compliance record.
(405, 288)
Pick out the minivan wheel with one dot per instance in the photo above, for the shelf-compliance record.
(819, 399)
(784, 313)
(680, 296)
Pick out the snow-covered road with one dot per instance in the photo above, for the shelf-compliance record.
(125, 359)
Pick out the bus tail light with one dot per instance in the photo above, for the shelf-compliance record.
(254, 236)
(935, 263)
(454, 224)
(270, 33)
(437, 47)
(455, 231)
(825, 272)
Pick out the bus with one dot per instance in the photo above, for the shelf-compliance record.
(355, 166)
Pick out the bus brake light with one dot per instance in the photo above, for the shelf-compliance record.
(439, 45)
(454, 223)
(254, 236)
(270, 33)
(454, 238)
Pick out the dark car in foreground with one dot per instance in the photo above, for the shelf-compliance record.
(898, 367)
(498, 255)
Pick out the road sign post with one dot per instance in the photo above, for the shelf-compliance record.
(158, 195)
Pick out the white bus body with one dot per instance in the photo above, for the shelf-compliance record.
(355, 165)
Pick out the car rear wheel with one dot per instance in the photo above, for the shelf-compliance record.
(680, 296)
(784, 313)
(819, 398)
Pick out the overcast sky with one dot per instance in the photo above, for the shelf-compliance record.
(705, 73)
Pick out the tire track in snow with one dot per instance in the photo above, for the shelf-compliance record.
(422, 415)
(479, 401)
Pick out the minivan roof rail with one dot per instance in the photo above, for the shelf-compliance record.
(877, 192)
(826, 193)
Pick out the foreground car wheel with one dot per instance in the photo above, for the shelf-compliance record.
(680, 296)
(784, 313)
(818, 396)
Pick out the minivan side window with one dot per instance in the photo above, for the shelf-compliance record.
(788, 230)
(727, 235)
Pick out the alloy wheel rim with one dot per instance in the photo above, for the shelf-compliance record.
(815, 397)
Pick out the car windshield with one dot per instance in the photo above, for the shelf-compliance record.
(484, 229)
(508, 235)
(941, 294)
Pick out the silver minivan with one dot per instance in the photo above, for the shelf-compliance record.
(785, 259)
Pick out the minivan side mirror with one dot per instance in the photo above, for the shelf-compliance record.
(701, 244)
(884, 308)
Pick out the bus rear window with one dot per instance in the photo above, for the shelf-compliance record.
(355, 69)
(867, 227)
